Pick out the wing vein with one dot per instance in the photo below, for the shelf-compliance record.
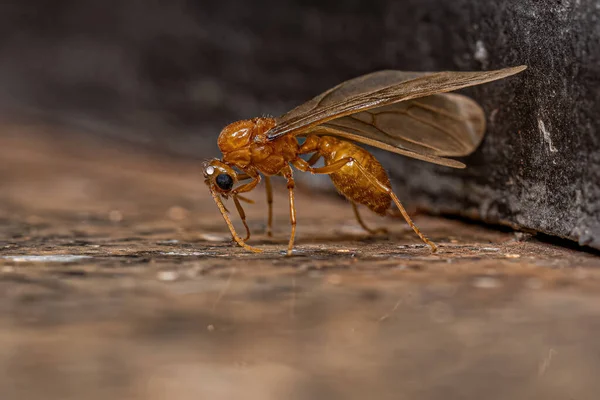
(409, 113)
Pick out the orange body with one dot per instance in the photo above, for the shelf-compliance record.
(244, 146)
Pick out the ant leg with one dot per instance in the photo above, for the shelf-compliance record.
(305, 166)
(236, 198)
(287, 173)
(362, 223)
(223, 211)
(336, 166)
(270, 204)
(245, 199)
(398, 214)
(313, 159)
(246, 187)
(407, 218)
(242, 215)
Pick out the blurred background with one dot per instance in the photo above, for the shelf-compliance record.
(171, 74)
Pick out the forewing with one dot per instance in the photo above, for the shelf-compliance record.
(377, 90)
(338, 95)
(438, 125)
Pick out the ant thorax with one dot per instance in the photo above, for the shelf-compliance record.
(241, 134)
(244, 144)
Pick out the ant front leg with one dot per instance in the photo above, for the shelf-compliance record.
(337, 165)
(224, 213)
(240, 209)
(246, 187)
(236, 198)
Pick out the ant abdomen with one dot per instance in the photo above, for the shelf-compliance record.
(350, 181)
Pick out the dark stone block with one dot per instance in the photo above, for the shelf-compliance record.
(539, 166)
(134, 71)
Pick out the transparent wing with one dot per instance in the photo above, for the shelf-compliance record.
(368, 109)
(439, 125)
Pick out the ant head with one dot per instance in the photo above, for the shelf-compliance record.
(219, 176)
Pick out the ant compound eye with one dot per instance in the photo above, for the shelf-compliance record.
(224, 181)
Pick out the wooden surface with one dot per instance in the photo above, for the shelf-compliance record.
(118, 280)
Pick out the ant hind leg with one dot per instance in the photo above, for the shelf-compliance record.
(336, 166)
(363, 225)
(407, 218)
